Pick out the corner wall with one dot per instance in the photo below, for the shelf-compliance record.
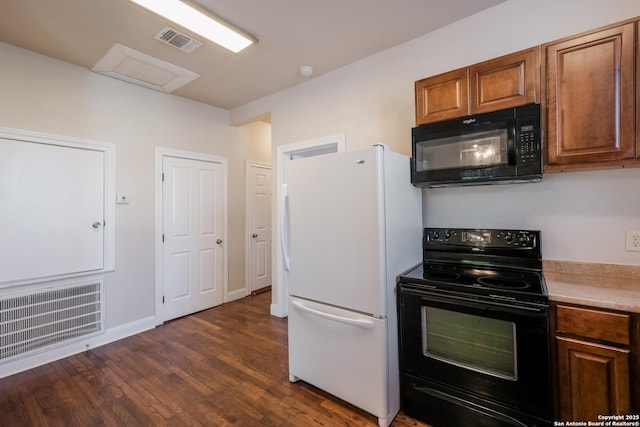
(41, 94)
(582, 215)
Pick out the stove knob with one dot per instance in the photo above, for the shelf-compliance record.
(436, 235)
(508, 237)
(524, 238)
(447, 234)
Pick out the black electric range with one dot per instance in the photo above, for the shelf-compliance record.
(474, 330)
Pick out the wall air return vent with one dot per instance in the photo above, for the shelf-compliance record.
(42, 319)
(178, 40)
(124, 63)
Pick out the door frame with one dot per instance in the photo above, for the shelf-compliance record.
(190, 155)
(309, 148)
(247, 224)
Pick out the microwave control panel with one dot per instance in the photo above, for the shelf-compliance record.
(528, 145)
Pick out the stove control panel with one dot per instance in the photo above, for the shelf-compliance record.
(481, 237)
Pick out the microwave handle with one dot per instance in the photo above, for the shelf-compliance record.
(512, 144)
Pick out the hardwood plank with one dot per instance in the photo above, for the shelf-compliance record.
(227, 366)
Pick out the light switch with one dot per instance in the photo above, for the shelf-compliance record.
(122, 199)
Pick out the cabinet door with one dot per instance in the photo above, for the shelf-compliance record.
(590, 97)
(52, 212)
(508, 81)
(441, 97)
(593, 380)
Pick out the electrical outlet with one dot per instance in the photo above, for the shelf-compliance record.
(633, 240)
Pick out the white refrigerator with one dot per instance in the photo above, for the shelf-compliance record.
(352, 222)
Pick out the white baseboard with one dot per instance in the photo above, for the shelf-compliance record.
(277, 311)
(237, 294)
(46, 356)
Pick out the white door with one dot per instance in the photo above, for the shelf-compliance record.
(52, 212)
(260, 227)
(193, 224)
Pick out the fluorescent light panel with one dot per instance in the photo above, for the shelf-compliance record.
(196, 21)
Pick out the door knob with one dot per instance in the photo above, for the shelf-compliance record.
(96, 224)
(254, 235)
(219, 241)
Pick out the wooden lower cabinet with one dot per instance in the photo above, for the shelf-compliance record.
(594, 380)
(595, 353)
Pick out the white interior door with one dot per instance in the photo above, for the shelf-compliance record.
(193, 230)
(260, 227)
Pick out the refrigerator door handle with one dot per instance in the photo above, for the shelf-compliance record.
(284, 229)
(360, 323)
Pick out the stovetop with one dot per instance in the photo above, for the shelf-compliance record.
(482, 280)
(493, 263)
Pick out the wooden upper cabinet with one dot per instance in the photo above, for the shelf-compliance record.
(590, 97)
(508, 81)
(441, 97)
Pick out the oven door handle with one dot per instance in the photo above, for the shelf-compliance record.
(472, 406)
(471, 302)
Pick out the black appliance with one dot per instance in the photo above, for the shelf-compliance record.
(474, 330)
(502, 146)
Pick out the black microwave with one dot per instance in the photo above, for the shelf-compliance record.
(499, 147)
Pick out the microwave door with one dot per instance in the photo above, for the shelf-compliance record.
(479, 149)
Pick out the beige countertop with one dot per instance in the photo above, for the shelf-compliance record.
(610, 286)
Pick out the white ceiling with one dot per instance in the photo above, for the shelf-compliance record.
(326, 34)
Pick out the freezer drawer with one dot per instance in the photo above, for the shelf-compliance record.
(341, 352)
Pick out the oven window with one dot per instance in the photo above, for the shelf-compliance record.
(480, 149)
(474, 342)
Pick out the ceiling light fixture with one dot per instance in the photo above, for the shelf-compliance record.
(204, 24)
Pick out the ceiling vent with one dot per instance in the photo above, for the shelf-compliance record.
(124, 63)
(178, 40)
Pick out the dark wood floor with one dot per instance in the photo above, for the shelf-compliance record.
(226, 366)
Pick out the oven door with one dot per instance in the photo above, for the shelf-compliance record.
(490, 350)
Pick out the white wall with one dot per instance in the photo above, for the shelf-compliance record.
(582, 215)
(40, 94)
